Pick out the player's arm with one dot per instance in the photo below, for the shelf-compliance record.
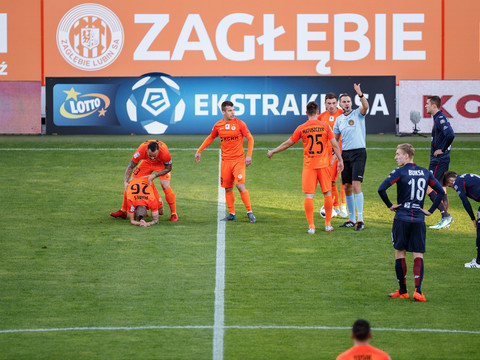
(128, 173)
(248, 158)
(165, 170)
(131, 216)
(435, 185)
(154, 218)
(283, 146)
(202, 147)
(364, 107)
(382, 191)
(336, 150)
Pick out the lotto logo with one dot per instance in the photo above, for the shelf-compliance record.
(90, 37)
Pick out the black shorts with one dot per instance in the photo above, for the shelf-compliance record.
(409, 236)
(353, 165)
(438, 169)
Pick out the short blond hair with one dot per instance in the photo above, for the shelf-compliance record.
(407, 149)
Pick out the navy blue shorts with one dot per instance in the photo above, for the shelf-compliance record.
(438, 169)
(409, 236)
(353, 165)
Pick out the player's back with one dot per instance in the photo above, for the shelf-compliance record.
(364, 352)
(315, 135)
(469, 184)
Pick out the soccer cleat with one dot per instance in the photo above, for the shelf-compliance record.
(230, 217)
(472, 264)
(174, 217)
(445, 223)
(328, 228)
(418, 297)
(119, 214)
(397, 295)
(359, 226)
(348, 224)
(251, 218)
(343, 213)
(311, 231)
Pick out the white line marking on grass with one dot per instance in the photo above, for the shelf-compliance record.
(219, 322)
(209, 327)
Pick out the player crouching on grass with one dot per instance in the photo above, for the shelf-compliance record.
(467, 186)
(140, 197)
(409, 230)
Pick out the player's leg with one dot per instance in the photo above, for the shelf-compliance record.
(398, 240)
(417, 240)
(122, 213)
(438, 169)
(169, 196)
(357, 179)
(239, 174)
(324, 178)
(347, 182)
(309, 186)
(227, 182)
(475, 263)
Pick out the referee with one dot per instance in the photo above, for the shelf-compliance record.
(351, 126)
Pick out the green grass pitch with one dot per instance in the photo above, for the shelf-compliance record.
(76, 283)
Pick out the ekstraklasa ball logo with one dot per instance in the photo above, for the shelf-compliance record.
(90, 37)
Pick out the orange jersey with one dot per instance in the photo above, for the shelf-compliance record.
(141, 193)
(231, 137)
(162, 158)
(326, 116)
(315, 135)
(364, 352)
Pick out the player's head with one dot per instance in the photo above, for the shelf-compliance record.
(448, 178)
(345, 101)
(404, 154)
(140, 213)
(433, 104)
(228, 110)
(312, 108)
(331, 103)
(361, 331)
(152, 150)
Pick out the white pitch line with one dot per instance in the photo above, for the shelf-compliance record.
(246, 327)
(219, 318)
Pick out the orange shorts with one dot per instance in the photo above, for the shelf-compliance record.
(334, 171)
(310, 177)
(232, 172)
(145, 169)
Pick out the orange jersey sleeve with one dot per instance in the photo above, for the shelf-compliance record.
(364, 352)
(231, 135)
(140, 193)
(315, 135)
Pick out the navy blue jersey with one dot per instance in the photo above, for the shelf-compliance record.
(442, 137)
(412, 182)
(468, 186)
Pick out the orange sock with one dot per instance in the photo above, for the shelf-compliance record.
(246, 200)
(170, 197)
(308, 204)
(230, 198)
(336, 204)
(342, 195)
(124, 203)
(328, 203)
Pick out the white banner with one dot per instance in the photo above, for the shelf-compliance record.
(460, 103)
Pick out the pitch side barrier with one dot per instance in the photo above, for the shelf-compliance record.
(157, 103)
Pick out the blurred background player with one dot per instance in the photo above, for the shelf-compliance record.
(442, 138)
(467, 186)
(408, 230)
(233, 167)
(154, 157)
(141, 197)
(315, 135)
(351, 127)
(330, 116)
(362, 350)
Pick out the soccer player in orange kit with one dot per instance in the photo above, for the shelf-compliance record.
(155, 157)
(315, 135)
(234, 162)
(330, 115)
(362, 349)
(140, 197)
